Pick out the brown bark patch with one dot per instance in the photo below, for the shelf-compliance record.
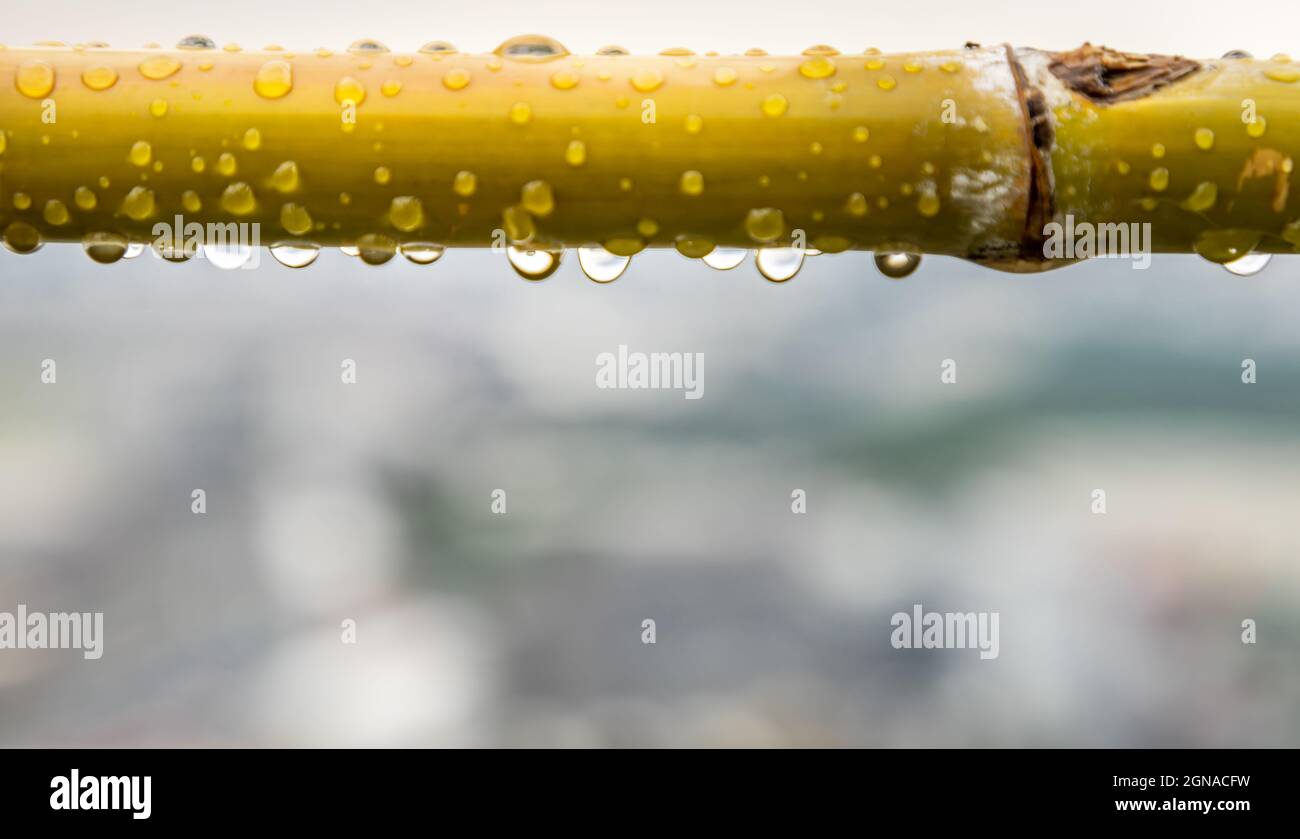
(1106, 75)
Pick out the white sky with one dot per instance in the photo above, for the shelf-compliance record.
(1191, 27)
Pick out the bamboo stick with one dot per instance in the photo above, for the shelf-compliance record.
(968, 153)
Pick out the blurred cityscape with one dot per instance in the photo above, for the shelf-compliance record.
(371, 502)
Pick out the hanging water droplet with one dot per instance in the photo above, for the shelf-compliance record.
(779, 264)
(897, 264)
(178, 252)
(196, 42)
(20, 237)
(600, 265)
(105, 248)
(612, 50)
(422, 253)
(376, 248)
(228, 256)
(533, 265)
(349, 250)
(1237, 54)
(724, 259)
(1249, 265)
(295, 254)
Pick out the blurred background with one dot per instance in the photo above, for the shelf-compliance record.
(371, 502)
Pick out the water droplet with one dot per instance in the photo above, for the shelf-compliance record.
(383, 175)
(406, 213)
(376, 248)
(779, 264)
(190, 201)
(564, 80)
(724, 76)
(693, 247)
(196, 42)
(390, 88)
(1249, 265)
(624, 245)
(285, 178)
(422, 253)
(172, 252)
(238, 199)
(22, 201)
(533, 265)
(694, 123)
(724, 259)
(1257, 128)
(576, 153)
(1283, 74)
(1237, 54)
(464, 184)
(648, 228)
(228, 257)
(1159, 179)
(274, 79)
(897, 264)
(874, 64)
(537, 198)
(20, 237)
(158, 67)
(349, 250)
(105, 248)
(774, 105)
(56, 212)
(1204, 138)
(295, 219)
(1224, 246)
(829, 244)
(600, 265)
(886, 82)
(692, 182)
(1202, 198)
(457, 79)
(438, 48)
(34, 79)
(99, 77)
(84, 198)
(765, 224)
(295, 254)
(521, 113)
(817, 67)
(349, 89)
(252, 139)
(518, 224)
(647, 80)
(928, 204)
(612, 50)
(158, 108)
(364, 46)
(138, 203)
(856, 204)
(531, 48)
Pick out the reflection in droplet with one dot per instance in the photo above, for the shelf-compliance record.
(133, 250)
(533, 265)
(196, 42)
(897, 264)
(376, 248)
(600, 265)
(295, 254)
(531, 48)
(724, 259)
(779, 264)
(228, 256)
(366, 45)
(1249, 265)
(422, 253)
(21, 237)
(105, 248)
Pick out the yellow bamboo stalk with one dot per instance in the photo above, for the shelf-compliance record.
(967, 153)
